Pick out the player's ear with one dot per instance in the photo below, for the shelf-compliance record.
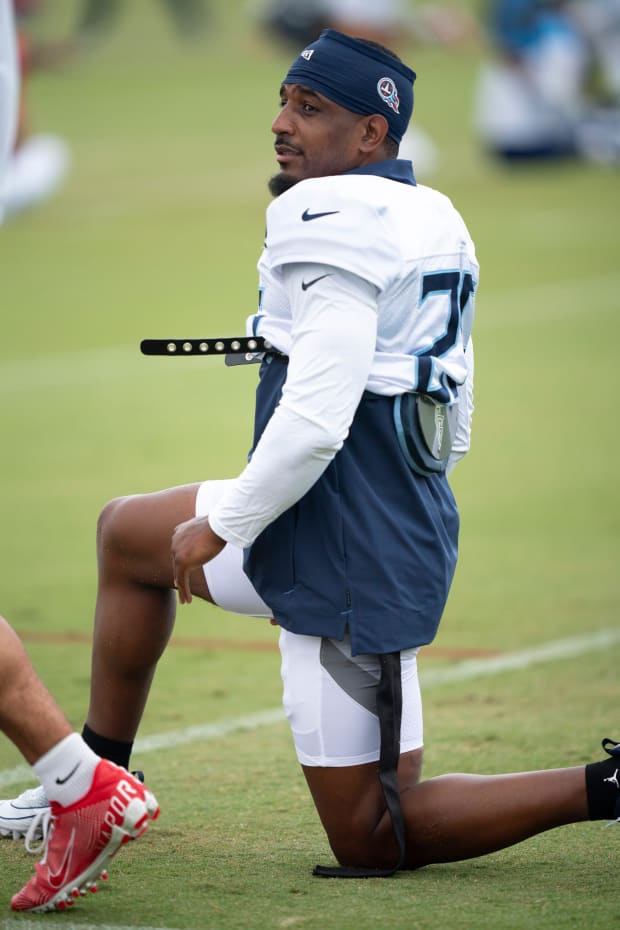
(375, 129)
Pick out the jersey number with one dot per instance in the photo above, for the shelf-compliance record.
(458, 287)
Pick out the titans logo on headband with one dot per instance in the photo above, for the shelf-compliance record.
(351, 72)
(388, 93)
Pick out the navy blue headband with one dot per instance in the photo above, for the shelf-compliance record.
(358, 77)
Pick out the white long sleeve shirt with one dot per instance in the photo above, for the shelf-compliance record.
(363, 280)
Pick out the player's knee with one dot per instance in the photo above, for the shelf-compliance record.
(351, 846)
(364, 846)
(363, 837)
(112, 529)
(133, 540)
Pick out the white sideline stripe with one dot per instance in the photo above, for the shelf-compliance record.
(208, 731)
(548, 652)
(37, 925)
(471, 668)
(90, 366)
(193, 734)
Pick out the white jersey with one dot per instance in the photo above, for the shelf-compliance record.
(367, 284)
(403, 240)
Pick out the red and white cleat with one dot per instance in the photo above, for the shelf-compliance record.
(83, 838)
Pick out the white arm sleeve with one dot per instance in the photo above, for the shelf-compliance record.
(333, 343)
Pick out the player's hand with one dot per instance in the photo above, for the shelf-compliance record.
(193, 544)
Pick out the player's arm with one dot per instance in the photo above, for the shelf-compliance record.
(333, 343)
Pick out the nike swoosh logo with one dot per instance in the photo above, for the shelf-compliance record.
(306, 284)
(62, 781)
(59, 877)
(307, 216)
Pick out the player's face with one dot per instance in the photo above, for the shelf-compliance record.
(314, 137)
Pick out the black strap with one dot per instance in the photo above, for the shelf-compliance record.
(389, 710)
(224, 345)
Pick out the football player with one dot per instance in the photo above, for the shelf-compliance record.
(342, 526)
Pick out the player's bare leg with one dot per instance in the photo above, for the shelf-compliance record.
(28, 714)
(136, 604)
(448, 818)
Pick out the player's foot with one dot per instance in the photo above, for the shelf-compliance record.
(28, 815)
(35, 171)
(83, 838)
(25, 815)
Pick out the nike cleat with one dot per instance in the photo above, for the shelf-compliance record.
(83, 837)
(26, 815)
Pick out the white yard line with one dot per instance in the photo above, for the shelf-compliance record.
(21, 924)
(86, 366)
(523, 658)
(547, 301)
(207, 731)
(193, 734)
(461, 671)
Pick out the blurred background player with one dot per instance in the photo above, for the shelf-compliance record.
(9, 87)
(599, 22)
(552, 86)
(301, 21)
(190, 17)
(38, 163)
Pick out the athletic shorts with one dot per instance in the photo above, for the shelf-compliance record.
(329, 695)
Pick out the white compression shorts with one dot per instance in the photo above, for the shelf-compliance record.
(330, 701)
(329, 696)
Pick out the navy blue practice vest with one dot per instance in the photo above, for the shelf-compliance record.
(371, 548)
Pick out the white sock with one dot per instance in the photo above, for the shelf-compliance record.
(66, 771)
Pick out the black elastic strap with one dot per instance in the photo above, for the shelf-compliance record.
(177, 348)
(389, 711)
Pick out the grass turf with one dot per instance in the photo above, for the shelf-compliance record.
(157, 233)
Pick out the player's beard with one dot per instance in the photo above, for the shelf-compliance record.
(281, 182)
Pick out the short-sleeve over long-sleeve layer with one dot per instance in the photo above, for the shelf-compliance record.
(367, 285)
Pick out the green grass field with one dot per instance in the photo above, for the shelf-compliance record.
(157, 233)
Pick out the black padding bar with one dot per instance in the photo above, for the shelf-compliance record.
(389, 710)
